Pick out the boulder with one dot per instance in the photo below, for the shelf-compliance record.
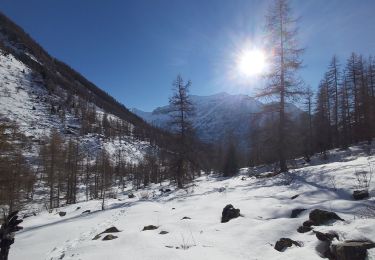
(296, 212)
(284, 243)
(327, 237)
(109, 237)
(62, 213)
(360, 194)
(351, 250)
(229, 212)
(131, 196)
(321, 217)
(304, 229)
(149, 227)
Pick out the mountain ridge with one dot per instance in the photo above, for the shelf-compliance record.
(217, 116)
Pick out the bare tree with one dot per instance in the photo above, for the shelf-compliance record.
(333, 77)
(283, 82)
(181, 109)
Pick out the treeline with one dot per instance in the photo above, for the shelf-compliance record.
(65, 171)
(345, 103)
(339, 114)
(16, 176)
(67, 168)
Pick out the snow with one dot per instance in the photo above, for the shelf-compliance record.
(265, 204)
(23, 100)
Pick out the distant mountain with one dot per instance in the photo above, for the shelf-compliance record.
(217, 116)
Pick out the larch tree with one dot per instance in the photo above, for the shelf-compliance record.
(333, 82)
(285, 61)
(181, 111)
(309, 115)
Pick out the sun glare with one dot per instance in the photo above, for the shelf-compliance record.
(251, 62)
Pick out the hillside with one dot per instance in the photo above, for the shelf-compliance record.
(58, 128)
(265, 203)
(39, 93)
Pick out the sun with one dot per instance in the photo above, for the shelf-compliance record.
(251, 62)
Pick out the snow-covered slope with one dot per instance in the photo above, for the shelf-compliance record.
(40, 93)
(265, 204)
(23, 101)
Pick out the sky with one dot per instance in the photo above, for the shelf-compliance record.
(134, 49)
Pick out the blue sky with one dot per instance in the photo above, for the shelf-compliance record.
(134, 49)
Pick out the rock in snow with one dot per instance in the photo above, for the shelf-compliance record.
(229, 212)
(284, 243)
(321, 217)
(149, 227)
(360, 194)
(352, 250)
(109, 237)
(304, 229)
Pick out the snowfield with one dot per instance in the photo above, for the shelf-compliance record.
(265, 204)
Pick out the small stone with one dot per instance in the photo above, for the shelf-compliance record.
(149, 227)
(284, 243)
(78, 208)
(109, 237)
(163, 232)
(360, 194)
(131, 196)
(164, 190)
(294, 197)
(185, 218)
(62, 213)
(86, 211)
(111, 230)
